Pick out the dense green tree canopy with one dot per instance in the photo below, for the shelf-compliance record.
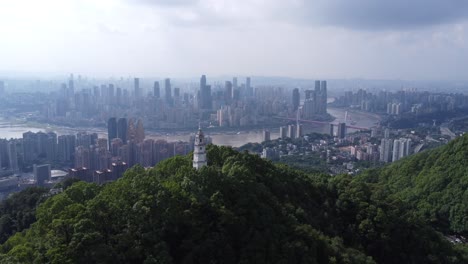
(17, 212)
(433, 183)
(238, 209)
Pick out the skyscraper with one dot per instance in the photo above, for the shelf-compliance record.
(299, 131)
(66, 148)
(122, 129)
(228, 92)
(176, 92)
(156, 90)
(266, 135)
(296, 98)
(249, 89)
(292, 131)
(341, 130)
(396, 150)
(168, 89)
(401, 148)
(71, 86)
(41, 173)
(309, 110)
(139, 132)
(205, 94)
(283, 132)
(12, 155)
(118, 96)
(30, 146)
(136, 86)
(386, 147)
(82, 157)
(317, 96)
(323, 97)
(111, 92)
(51, 147)
(111, 130)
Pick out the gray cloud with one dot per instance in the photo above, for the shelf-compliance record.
(354, 14)
(165, 2)
(385, 14)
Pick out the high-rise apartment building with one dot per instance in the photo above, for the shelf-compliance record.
(168, 90)
(248, 87)
(12, 155)
(401, 148)
(266, 135)
(111, 130)
(66, 148)
(41, 174)
(156, 90)
(283, 132)
(139, 132)
(228, 92)
(205, 95)
(136, 86)
(341, 133)
(122, 129)
(386, 148)
(292, 131)
(299, 131)
(296, 99)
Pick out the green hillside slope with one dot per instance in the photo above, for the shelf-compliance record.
(239, 209)
(434, 184)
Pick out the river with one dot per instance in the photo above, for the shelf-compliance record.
(235, 139)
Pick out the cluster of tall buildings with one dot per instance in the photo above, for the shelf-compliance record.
(394, 108)
(291, 131)
(315, 101)
(392, 150)
(164, 106)
(127, 143)
(9, 154)
(340, 130)
(34, 148)
(366, 152)
(87, 155)
(399, 102)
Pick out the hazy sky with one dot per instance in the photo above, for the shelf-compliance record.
(392, 39)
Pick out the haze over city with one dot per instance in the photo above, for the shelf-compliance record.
(414, 40)
(242, 131)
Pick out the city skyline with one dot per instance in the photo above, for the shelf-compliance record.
(421, 40)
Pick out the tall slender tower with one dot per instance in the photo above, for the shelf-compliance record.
(199, 152)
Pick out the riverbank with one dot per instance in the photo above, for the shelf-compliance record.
(234, 137)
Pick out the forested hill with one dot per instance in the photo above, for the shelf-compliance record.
(433, 183)
(239, 209)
